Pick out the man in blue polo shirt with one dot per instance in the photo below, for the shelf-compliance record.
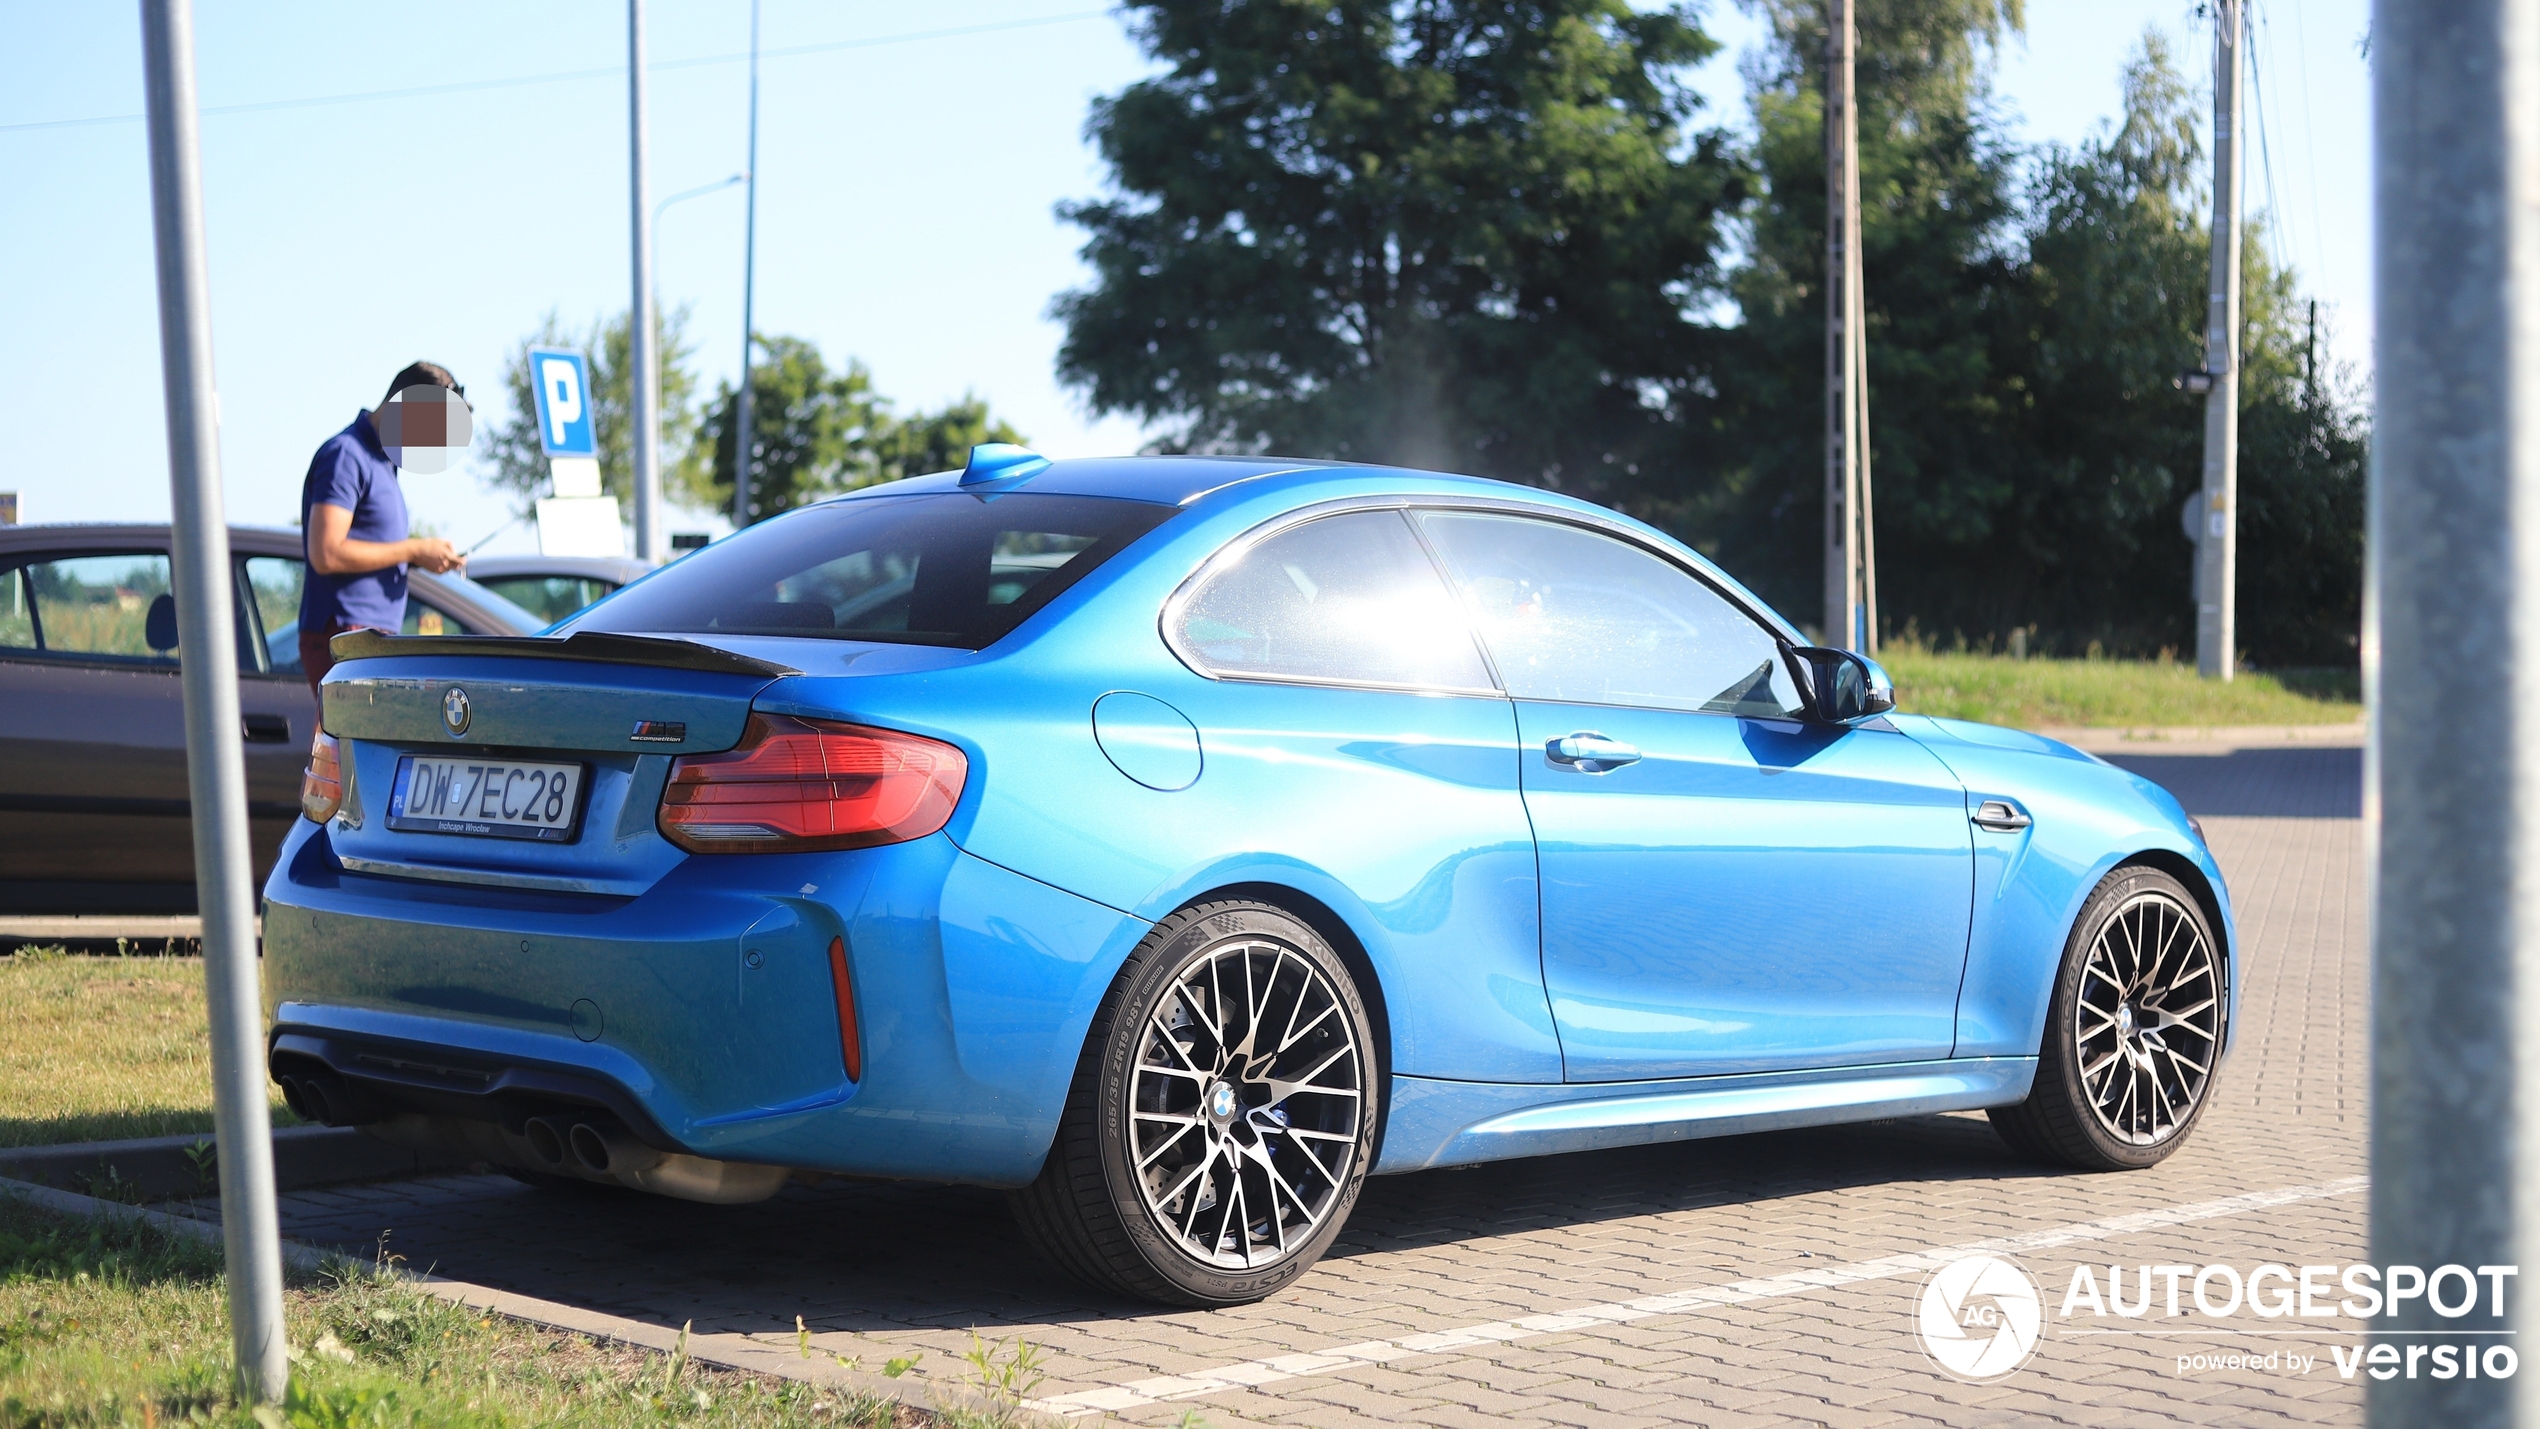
(354, 517)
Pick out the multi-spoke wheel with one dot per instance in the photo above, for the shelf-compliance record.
(2134, 1031)
(1221, 1119)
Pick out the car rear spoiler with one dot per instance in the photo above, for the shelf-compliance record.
(587, 646)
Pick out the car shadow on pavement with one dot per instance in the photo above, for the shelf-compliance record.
(2326, 783)
(876, 1257)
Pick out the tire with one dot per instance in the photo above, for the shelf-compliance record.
(1176, 1118)
(2132, 1032)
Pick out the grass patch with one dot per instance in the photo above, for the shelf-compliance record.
(110, 1321)
(97, 1049)
(2031, 694)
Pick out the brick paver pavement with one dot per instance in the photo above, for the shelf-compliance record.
(884, 1270)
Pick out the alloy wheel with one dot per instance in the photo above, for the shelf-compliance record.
(2148, 1019)
(1245, 1104)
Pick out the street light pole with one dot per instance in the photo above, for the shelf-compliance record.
(215, 765)
(644, 382)
(741, 428)
(2452, 679)
(1843, 413)
(2218, 545)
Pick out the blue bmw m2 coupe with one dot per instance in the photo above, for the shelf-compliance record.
(1178, 842)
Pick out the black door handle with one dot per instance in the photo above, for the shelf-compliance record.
(265, 728)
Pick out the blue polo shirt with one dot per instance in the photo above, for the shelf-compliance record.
(353, 471)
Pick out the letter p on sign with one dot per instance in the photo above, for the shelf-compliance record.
(562, 381)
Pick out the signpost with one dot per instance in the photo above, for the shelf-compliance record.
(577, 520)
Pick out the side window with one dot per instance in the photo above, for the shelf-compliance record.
(108, 608)
(550, 598)
(17, 611)
(1576, 616)
(1351, 598)
(272, 586)
(422, 619)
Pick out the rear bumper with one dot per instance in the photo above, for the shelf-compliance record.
(702, 1013)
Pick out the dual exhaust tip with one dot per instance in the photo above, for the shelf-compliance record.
(574, 1146)
(327, 1099)
(564, 1144)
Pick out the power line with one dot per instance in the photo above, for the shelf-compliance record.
(2266, 155)
(566, 76)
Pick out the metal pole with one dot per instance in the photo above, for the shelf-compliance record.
(2452, 671)
(644, 384)
(1861, 402)
(2218, 552)
(215, 762)
(1842, 527)
(741, 428)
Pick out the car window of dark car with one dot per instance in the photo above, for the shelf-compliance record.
(1573, 615)
(105, 608)
(1349, 598)
(550, 598)
(954, 569)
(17, 611)
(424, 618)
(271, 585)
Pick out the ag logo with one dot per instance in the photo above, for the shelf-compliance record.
(454, 710)
(1978, 1318)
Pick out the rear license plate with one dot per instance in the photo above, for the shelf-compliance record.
(499, 797)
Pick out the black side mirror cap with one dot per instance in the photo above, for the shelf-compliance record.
(158, 628)
(1844, 687)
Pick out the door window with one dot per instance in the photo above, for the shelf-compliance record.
(272, 587)
(1350, 598)
(106, 608)
(550, 598)
(1575, 616)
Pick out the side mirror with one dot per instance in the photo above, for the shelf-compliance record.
(1845, 687)
(158, 627)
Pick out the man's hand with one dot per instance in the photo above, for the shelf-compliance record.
(434, 554)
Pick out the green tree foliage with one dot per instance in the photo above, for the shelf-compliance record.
(818, 432)
(510, 451)
(1460, 233)
(1481, 236)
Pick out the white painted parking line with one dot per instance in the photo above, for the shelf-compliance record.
(1251, 1373)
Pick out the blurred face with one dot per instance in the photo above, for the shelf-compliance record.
(425, 428)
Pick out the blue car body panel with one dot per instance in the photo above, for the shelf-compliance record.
(1766, 923)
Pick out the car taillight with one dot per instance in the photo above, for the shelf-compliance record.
(322, 783)
(796, 785)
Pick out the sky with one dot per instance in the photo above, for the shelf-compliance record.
(910, 161)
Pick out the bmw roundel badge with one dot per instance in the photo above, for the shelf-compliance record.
(454, 711)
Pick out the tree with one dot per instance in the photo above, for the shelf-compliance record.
(1460, 233)
(517, 462)
(1938, 208)
(819, 432)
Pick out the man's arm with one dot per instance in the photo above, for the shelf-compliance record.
(334, 552)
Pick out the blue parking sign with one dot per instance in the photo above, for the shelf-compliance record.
(563, 383)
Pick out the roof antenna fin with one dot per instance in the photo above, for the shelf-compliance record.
(1002, 461)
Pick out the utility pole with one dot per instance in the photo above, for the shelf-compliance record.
(741, 428)
(215, 767)
(644, 379)
(1844, 408)
(2218, 545)
(2451, 659)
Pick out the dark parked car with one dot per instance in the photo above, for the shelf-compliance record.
(93, 806)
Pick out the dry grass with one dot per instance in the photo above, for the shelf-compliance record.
(111, 1322)
(2034, 694)
(95, 1049)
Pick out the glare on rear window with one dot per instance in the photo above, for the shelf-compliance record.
(947, 569)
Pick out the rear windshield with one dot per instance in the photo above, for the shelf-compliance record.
(950, 569)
